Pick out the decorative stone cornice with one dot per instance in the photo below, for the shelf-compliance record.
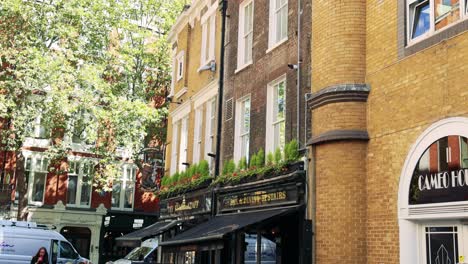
(339, 93)
(335, 135)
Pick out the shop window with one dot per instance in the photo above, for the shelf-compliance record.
(36, 168)
(429, 16)
(246, 17)
(80, 174)
(278, 22)
(276, 112)
(441, 244)
(123, 190)
(268, 249)
(242, 139)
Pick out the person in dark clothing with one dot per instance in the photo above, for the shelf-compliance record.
(41, 257)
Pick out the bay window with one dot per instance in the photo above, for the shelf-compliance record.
(426, 17)
(123, 189)
(242, 133)
(278, 22)
(276, 112)
(80, 174)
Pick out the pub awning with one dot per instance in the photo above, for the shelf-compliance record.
(219, 226)
(134, 239)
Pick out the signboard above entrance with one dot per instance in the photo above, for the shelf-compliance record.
(441, 174)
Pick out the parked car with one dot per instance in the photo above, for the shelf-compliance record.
(146, 253)
(20, 241)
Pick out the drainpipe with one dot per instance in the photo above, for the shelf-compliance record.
(298, 72)
(220, 102)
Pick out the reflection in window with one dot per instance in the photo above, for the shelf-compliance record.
(421, 18)
(268, 249)
(446, 12)
(123, 189)
(36, 168)
(79, 188)
(441, 245)
(279, 103)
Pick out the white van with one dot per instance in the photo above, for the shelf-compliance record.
(20, 241)
(146, 253)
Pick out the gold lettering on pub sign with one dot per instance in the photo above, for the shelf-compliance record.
(257, 198)
(172, 208)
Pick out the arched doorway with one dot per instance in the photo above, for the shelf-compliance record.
(80, 237)
(433, 196)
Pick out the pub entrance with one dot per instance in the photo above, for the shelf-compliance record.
(262, 223)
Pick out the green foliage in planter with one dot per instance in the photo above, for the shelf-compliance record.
(291, 151)
(260, 158)
(229, 167)
(270, 159)
(203, 168)
(278, 156)
(253, 161)
(242, 165)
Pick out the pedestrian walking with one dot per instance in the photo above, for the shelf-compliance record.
(41, 257)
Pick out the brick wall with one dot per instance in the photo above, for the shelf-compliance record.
(408, 95)
(266, 68)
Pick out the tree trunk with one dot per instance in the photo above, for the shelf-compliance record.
(21, 185)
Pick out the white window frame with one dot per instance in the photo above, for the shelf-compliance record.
(38, 129)
(198, 134)
(275, 13)
(210, 129)
(183, 147)
(240, 135)
(242, 60)
(463, 5)
(180, 65)
(175, 147)
(270, 137)
(44, 165)
(174, 70)
(79, 173)
(462, 233)
(208, 25)
(125, 181)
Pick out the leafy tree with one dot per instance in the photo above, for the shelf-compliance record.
(92, 71)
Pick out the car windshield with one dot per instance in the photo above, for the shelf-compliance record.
(138, 253)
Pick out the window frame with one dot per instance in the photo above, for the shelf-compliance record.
(198, 134)
(240, 150)
(461, 232)
(210, 128)
(183, 146)
(180, 68)
(80, 174)
(410, 16)
(125, 181)
(275, 12)
(175, 147)
(34, 157)
(242, 61)
(271, 121)
(208, 46)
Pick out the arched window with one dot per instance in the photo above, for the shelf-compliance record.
(433, 196)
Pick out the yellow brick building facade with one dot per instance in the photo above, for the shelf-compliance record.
(195, 40)
(390, 82)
